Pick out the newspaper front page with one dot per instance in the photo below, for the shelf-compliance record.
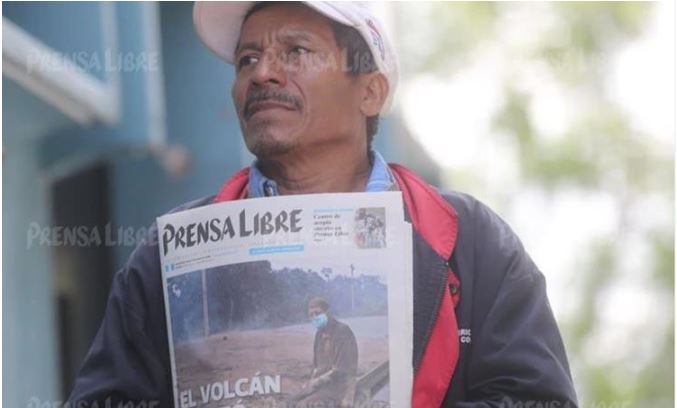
(291, 301)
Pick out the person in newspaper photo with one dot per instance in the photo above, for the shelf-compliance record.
(311, 81)
(332, 381)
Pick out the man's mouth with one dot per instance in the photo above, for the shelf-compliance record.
(259, 106)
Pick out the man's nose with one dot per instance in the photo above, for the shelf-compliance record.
(270, 70)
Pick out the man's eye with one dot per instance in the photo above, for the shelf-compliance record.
(298, 50)
(247, 60)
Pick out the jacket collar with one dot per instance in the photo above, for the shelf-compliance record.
(434, 219)
(235, 188)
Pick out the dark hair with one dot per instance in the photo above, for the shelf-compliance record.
(319, 302)
(359, 57)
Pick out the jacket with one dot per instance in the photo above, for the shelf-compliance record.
(484, 333)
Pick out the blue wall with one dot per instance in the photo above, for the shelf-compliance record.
(200, 117)
(29, 350)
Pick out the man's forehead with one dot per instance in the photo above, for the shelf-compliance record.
(285, 21)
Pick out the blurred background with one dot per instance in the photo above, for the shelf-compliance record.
(560, 116)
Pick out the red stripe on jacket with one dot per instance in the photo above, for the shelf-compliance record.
(437, 223)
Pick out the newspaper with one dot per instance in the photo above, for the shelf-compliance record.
(291, 301)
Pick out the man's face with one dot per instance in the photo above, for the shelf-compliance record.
(291, 92)
(314, 311)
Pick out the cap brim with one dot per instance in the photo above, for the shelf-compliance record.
(218, 24)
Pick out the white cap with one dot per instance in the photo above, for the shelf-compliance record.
(218, 24)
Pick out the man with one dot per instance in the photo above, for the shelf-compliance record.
(311, 81)
(332, 381)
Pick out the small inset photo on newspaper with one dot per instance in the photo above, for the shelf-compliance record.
(370, 227)
(271, 334)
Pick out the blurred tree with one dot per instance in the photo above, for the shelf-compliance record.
(599, 152)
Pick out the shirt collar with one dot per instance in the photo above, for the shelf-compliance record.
(380, 179)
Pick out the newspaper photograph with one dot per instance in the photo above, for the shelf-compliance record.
(293, 301)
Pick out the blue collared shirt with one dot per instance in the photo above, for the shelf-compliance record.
(380, 179)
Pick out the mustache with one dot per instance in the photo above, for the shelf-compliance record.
(264, 95)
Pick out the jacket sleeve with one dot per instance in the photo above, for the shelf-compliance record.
(128, 360)
(517, 357)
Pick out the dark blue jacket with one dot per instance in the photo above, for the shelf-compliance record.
(511, 352)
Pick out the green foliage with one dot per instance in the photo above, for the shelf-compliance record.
(455, 27)
(599, 151)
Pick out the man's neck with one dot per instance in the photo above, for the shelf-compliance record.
(317, 173)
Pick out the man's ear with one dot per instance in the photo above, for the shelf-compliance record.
(375, 93)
